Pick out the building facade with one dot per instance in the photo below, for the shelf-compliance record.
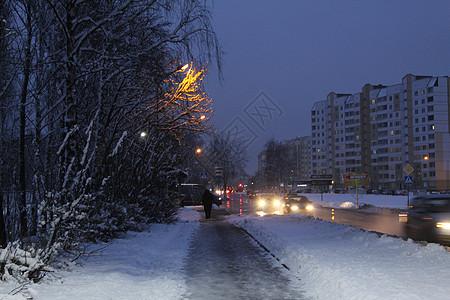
(299, 150)
(381, 130)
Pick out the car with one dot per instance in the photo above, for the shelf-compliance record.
(297, 204)
(251, 194)
(428, 218)
(190, 194)
(268, 203)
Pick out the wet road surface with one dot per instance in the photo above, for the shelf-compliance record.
(386, 222)
(224, 263)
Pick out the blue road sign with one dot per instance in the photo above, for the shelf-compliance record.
(204, 176)
(219, 173)
(408, 180)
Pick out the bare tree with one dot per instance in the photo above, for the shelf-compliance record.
(228, 153)
(277, 167)
(93, 76)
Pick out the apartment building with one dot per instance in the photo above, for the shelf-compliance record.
(382, 129)
(300, 156)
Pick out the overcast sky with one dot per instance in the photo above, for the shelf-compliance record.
(282, 56)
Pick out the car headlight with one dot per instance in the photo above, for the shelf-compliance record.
(443, 225)
(261, 203)
(294, 207)
(309, 207)
(276, 203)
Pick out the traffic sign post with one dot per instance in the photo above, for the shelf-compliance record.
(219, 173)
(408, 180)
(356, 180)
(408, 169)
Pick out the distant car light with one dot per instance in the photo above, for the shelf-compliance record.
(309, 207)
(443, 225)
(261, 203)
(276, 203)
(294, 207)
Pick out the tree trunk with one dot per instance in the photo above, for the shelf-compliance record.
(23, 102)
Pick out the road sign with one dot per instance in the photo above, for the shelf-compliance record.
(356, 179)
(408, 180)
(408, 169)
(219, 172)
(204, 176)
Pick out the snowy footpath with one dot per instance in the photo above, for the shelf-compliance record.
(332, 261)
(144, 265)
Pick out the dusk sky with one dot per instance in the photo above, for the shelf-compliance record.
(290, 54)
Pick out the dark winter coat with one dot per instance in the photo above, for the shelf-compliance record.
(207, 198)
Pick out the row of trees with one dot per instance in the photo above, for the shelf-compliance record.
(96, 106)
(277, 167)
(223, 151)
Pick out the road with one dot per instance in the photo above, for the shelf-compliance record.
(384, 221)
(224, 263)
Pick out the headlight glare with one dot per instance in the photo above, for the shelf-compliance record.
(309, 207)
(262, 203)
(443, 225)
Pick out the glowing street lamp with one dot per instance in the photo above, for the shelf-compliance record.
(143, 134)
(198, 150)
(202, 117)
(183, 68)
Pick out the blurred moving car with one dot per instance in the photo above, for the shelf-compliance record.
(428, 218)
(298, 204)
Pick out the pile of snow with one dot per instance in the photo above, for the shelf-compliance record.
(336, 261)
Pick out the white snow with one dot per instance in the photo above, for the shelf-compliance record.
(349, 200)
(333, 261)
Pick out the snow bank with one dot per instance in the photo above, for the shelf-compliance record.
(144, 265)
(349, 200)
(336, 261)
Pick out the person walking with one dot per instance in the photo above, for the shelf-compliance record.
(207, 201)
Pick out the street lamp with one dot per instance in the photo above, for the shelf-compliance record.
(143, 134)
(198, 150)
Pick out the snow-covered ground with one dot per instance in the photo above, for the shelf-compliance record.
(333, 261)
(336, 261)
(145, 265)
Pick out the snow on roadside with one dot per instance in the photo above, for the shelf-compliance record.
(349, 200)
(143, 265)
(336, 261)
